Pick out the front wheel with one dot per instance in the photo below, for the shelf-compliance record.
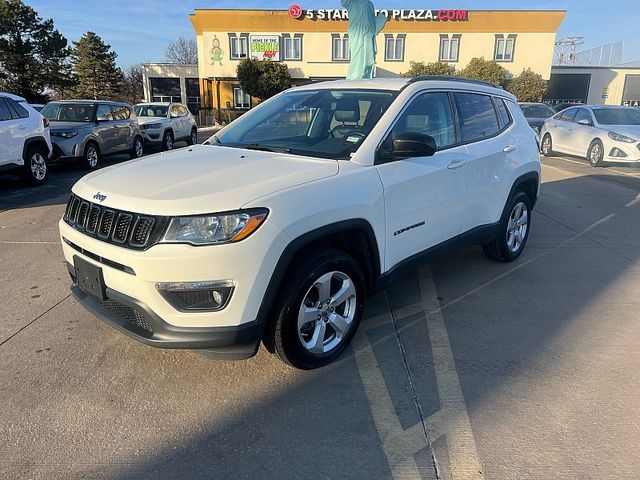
(319, 310)
(193, 138)
(167, 141)
(513, 231)
(35, 170)
(91, 156)
(596, 154)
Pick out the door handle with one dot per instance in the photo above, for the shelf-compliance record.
(22, 127)
(456, 164)
(510, 148)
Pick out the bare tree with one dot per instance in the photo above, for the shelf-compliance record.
(182, 50)
(132, 85)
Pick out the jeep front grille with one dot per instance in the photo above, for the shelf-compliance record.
(126, 229)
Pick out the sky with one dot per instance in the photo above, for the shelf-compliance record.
(139, 30)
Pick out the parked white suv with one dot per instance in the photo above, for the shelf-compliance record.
(278, 228)
(25, 144)
(163, 124)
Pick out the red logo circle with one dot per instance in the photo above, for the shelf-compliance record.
(295, 11)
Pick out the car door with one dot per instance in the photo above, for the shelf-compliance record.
(176, 122)
(125, 127)
(10, 137)
(106, 130)
(484, 123)
(424, 196)
(562, 129)
(583, 132)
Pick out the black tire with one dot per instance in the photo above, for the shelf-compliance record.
(499, 248)
(284, 335)
(91, 157)
(193, 137)
(168, 141)
(546, 147)
(137, 149)
(595, 154)
(35, 170)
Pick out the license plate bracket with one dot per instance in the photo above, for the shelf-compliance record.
(90, 278)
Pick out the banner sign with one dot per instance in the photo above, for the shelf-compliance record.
(297, 12)
(264, 47)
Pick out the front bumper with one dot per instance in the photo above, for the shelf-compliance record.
(152, 137)
(65, 149)
(138, 321)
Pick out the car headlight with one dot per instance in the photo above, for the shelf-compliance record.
(67, 134)
(151, 126)
(215, 229)
(621, 138)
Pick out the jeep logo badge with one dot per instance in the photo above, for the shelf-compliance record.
(100, 197)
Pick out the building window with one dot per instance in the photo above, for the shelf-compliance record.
(394, 48)
(240, 99)
(449, 48)
(165, 90)
(340, 50)
(504, 48)
(238, 46)
(292, 46)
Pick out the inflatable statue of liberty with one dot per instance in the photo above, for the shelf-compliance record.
(364, 26)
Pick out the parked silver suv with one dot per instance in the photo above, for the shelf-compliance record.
(90, 129)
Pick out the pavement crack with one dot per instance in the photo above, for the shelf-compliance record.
(34, 320)
(414, 392)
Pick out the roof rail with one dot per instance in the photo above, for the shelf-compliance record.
(451, 79)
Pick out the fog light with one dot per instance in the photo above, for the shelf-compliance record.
(197, 296)
(616, 152)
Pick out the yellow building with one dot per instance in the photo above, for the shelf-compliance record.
(315, 46)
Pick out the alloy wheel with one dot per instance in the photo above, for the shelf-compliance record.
(517, 227)
(92, 156)
(327, 312)
(38, 166)
(138, 147)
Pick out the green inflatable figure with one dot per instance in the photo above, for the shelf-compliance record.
(364, 27)
(216, 52)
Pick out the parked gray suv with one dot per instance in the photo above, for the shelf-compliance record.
(90, 129)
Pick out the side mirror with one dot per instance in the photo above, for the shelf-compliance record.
(412, 144)
(584, 121)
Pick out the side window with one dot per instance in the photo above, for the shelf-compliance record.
(429, 114)
(18, 110)
(183, 111)
(504, 116)
(121, 112)
(104, 111)
(569, 115)
(5, 114)
(477, 116)
(583, 114)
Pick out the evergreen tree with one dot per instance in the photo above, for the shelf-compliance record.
(94, 64)
(33, 54)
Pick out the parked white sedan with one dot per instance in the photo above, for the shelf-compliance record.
(163, 124)
(600, 133)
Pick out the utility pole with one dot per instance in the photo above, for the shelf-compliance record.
(566, 50)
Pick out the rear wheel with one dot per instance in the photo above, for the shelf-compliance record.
(513, 230)
(319, 310)
(137, 150)
(167, 141)
(595, 154)
(35, 169)
(547, 145)
(193, 138)
(91, 156)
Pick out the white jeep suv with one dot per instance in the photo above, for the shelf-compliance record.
(25, 144)
(163, 124)
(278, 227)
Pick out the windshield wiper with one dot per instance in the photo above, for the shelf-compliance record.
(264, 148)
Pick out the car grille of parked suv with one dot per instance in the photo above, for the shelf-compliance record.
(126, 229)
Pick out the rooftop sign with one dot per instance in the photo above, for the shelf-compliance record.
(297, 12)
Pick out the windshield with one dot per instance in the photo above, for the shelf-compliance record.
(69, 112)
(326, 123)
(537, 111)
(617, 116)
(151, 110)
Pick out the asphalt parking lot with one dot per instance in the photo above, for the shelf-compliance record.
(464, 369)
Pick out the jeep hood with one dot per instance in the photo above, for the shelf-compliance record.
(199, 179)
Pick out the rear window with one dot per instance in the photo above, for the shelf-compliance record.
(503, 113)
(18, 110)
(478, 118)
